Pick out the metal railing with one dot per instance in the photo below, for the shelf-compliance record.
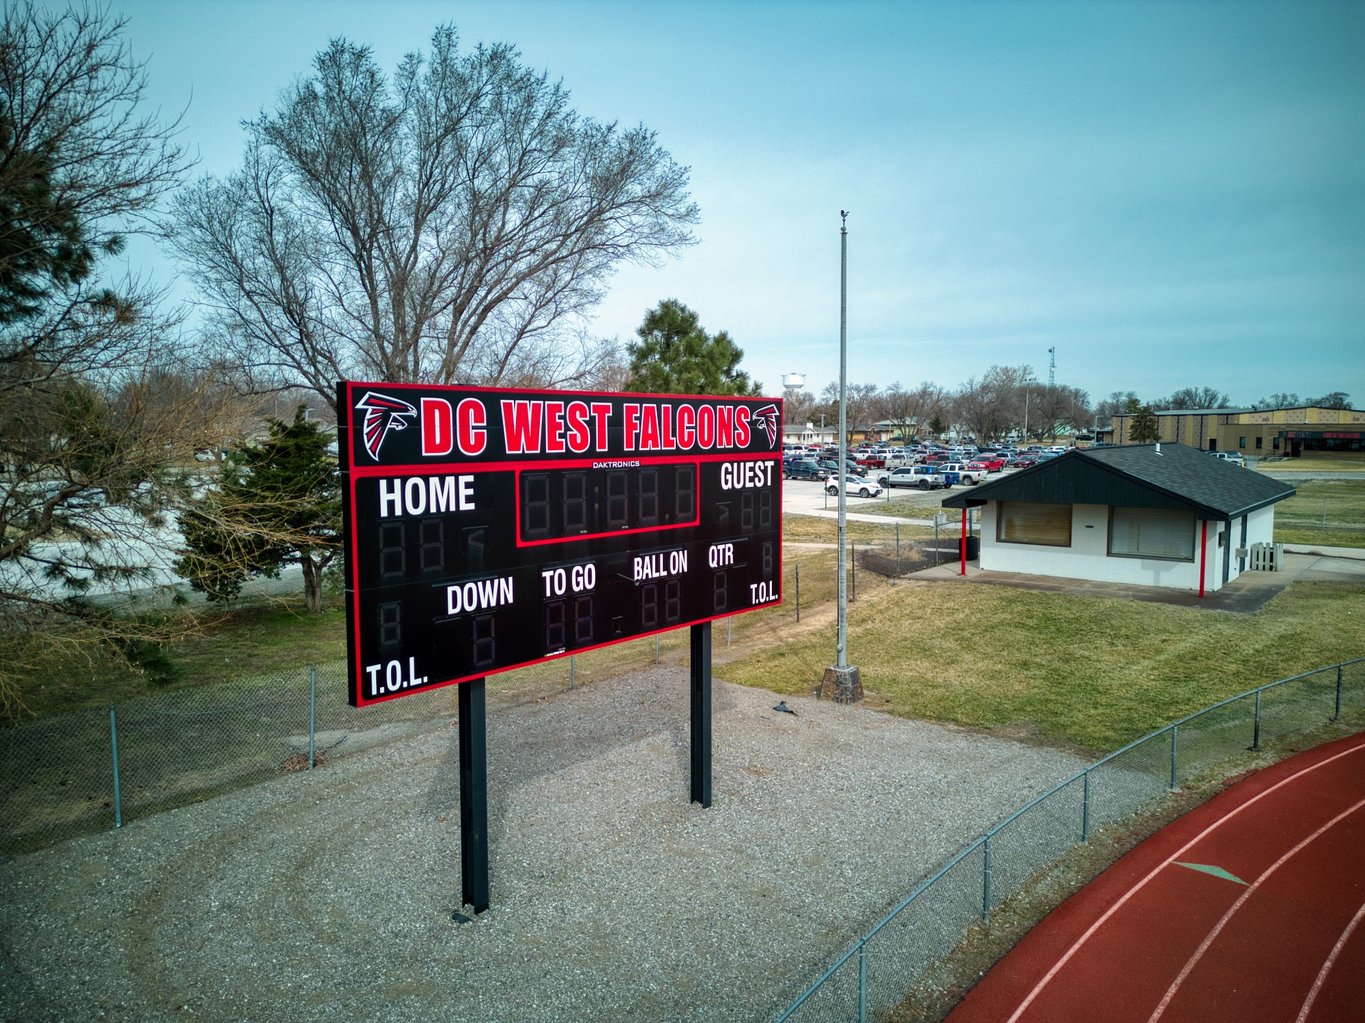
(880, 970)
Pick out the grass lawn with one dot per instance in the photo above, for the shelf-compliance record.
(252, 639)
(1314, 463)
(1070, 671)
(1326, 512)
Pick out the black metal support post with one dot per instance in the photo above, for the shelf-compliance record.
(701, 714)
(473, 795)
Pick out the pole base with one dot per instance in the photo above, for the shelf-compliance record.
(842, 685)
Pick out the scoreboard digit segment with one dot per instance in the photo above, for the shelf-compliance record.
(489, 529)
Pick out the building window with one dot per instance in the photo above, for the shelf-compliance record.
(1048, 525)
(1163, 533)
(1260, 441)
(1242, 443)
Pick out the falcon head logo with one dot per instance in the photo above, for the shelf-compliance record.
(767, 418)
(382, 414)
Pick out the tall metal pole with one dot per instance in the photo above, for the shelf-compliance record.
(841, 643)
(842, 683)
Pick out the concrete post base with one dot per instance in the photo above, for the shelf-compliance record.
(842, 685)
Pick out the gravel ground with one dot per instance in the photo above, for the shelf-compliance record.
(329, 894)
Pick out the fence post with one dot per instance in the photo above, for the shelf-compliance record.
(798, 601)
(862, 981)
(1256, 727)
(1175, 742)
(312, 715)
(113, 745)
(1336, 713)
(986, 881)
(1085, 807)
(853, 569)
(573, 671)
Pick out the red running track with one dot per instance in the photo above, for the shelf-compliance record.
(1249, 909)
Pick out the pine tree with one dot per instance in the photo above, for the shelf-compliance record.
(1145, 429)
(676, 356)
(277, 503)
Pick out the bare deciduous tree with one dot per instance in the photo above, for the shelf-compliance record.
(911, 411)
(86, 429)
(1193, 398)
(989, 407)
(445, 227)
(1059, 409)
(862, 405)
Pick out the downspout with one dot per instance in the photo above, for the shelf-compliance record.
(1203, 553)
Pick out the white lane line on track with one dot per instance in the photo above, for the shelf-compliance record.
(1329, 963)
(1104, 918)
(1217, 929)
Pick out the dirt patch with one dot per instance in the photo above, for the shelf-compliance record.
(906, 557)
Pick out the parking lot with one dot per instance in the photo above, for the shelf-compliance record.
(808, 497)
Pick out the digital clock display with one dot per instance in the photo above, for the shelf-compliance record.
(489, 529)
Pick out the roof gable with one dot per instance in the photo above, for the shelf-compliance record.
(1136, 476)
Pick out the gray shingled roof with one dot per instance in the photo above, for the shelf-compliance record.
(1135, 476)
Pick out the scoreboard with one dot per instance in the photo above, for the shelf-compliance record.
(486, 529)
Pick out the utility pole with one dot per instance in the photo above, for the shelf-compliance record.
(842, 683)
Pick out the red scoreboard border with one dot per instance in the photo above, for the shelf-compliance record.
(365, 430)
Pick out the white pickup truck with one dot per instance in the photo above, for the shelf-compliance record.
(967, 477)
(925, 477)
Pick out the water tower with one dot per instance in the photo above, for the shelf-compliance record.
(792, 383)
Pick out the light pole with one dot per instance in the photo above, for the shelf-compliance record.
(842, 683)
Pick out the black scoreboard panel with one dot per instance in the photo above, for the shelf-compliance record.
(461, 567)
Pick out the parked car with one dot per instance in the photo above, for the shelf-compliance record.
(1230, 456)
(966, 475)
(831, 467)
(802, 470)
(853, 485)
(922, 476)
(989, 462)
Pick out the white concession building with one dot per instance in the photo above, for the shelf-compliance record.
(1146, 514)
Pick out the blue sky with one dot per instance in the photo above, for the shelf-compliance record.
(1168, 194)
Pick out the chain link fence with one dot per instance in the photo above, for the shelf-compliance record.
(73, 774)
(77, 773)
(881, 969)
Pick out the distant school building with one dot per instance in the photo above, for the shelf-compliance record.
(1257, 433)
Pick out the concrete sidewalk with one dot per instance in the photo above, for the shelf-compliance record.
(1246, 594)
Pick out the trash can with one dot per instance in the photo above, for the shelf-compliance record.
(973, 548)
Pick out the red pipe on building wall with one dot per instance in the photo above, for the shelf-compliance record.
(964, 542)
(1203, 553)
